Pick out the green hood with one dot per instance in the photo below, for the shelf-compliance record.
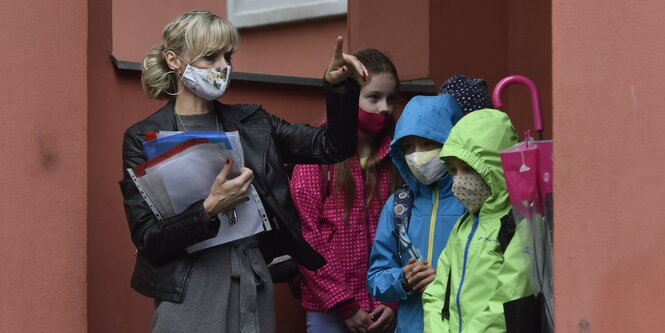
(477, 139)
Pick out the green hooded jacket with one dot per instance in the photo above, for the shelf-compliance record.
(483, 276)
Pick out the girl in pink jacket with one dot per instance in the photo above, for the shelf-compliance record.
(340, 206)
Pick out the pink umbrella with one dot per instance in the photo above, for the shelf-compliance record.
(529, 179)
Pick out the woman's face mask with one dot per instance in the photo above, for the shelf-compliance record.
(426, 166)
(207, 83)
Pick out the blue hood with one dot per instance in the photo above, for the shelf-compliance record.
(430, 117)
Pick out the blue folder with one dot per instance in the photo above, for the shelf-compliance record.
(157, 147)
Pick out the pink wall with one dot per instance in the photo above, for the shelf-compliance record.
(493, 39)
(116, 101)
(293, 49)
(43, 198)
(60, 185)
(436, 39)
(402, 32)
(137, 24)
(608, 80)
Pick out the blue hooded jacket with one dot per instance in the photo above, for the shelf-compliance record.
(430, 117)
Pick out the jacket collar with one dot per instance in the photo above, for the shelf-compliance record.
(384, 149)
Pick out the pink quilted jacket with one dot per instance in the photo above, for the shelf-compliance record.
(346, 246)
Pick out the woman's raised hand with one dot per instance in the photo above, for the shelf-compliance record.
(342, 65)
(227, 193)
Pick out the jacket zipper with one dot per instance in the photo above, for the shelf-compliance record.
(466, 257)
(432, 226)
(185, 283)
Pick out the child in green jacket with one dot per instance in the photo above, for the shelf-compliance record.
(483, 265)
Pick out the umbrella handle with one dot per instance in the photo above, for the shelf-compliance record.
(535, 97)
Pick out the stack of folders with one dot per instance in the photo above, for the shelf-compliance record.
(180, 170)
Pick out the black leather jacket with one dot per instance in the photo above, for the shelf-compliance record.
(162, 266)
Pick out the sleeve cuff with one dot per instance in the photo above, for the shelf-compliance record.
(402, 281)
(212, 223)
(346, 309)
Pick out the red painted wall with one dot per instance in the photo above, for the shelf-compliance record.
(116, 101)
(68, 160)
(608, 80)
(43, 180)
(137, 24)
(488, 39)
(400, 31)
(293, 49)
(66, 108)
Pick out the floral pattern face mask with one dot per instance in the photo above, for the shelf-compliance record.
(207, 83)
(471, 191)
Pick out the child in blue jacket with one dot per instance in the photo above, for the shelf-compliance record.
(401, 271)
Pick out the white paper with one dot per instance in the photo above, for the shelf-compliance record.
(175, 183)
(188, 176)
(250, 222)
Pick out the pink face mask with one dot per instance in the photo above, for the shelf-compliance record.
(371, 123)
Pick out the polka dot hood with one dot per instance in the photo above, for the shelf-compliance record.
(471, 94)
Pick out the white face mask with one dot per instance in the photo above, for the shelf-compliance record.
(426, 166)
(207, 83)
(471, 191)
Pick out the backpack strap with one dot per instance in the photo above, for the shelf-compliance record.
(402, 203)
(445, 312)
(402, 206)
(507, 230)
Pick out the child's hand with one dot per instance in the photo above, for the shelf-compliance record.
(359, 322)
(422, 274)
(386, 319)
(407, 274)
(342, 65)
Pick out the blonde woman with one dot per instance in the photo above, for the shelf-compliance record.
(226, 288)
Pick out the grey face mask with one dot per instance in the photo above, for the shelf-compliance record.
(471, 191)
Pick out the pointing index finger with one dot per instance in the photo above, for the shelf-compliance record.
(338, 48)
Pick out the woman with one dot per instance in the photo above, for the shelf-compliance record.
(340, 207)
(225, 288)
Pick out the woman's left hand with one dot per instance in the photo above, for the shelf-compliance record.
(386, 319)
(342, 65)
